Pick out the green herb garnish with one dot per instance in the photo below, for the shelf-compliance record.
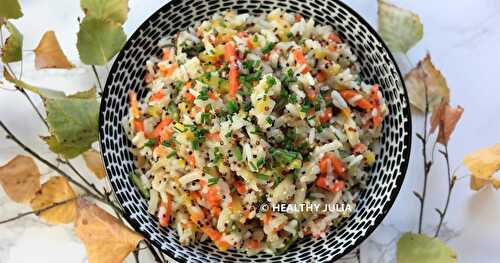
(262, 177)
(136, 179)
(232, 107)
(213, 180)
(150, 143)
(267, 48)
(237, 153)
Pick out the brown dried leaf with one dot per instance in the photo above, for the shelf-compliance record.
(20, 178)
(446, 118)
(48, 53)
(56, 190)
(101, 233)
(483, 164)
(94, 163)
(425, 73)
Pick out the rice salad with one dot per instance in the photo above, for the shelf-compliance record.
(244, 111)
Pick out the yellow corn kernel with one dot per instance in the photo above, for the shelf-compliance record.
(295, 164)
(183, 107)
(334, 69)
(154, 111)
(181, 163)
(320, 54)
(370, 157)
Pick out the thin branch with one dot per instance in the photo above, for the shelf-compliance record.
(153, 251)
(91, 185)
(427, 164)
(33, 106)
(37, 212)
(97, 78)
(451, 184)
(136, 256)
(46, 162)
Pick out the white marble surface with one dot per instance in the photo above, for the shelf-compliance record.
(462, 37)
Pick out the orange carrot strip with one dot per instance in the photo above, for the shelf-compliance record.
(189, 97)
(133, 104)
(159, 128)
(234, 84)
(165, 217)
(191, 160)
(166, 54)
(158, 95)
(215, 136)
(253, 244)
(240, 187)
(326, 115)
(138, 125)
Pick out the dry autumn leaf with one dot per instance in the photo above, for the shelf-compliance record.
(426, 74)
(446, 118)
(20, 178)
(48, 53)
(101, 233)
(94, 163)
(56, 190)
(400, 28)
(483, 164)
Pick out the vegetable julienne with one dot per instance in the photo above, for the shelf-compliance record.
(244, 111)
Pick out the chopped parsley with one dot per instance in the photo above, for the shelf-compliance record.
(150, 143)
(171, 155)
(203, 94)
(283, 156)
(206, 117)
(232, 107)
(267, 48)
(213, 180)
(262, 177)
(217, 155)
(269, 120)
(237, 153)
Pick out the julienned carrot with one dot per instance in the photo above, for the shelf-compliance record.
(326, 115)
(230, 57)
(253, 244)
(165, 211)
(234, 84)
(138, 125)
(211, 95)
(310, 93)
(167, 71)
(337, 165)
(240, 187)
(229, 52)
(333, 37)
(158, 95)
(214, 136)
(159, 128)
(191, 160)
(299, 57)
(133, 104)
(167, 135)
(216, 237)
(189, 97)
(267, 216)
(362, 103)
(333, 187)
(358, 148)
(166, 54)
(212, 196)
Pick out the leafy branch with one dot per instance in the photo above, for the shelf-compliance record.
(39, 211)
(451, 183)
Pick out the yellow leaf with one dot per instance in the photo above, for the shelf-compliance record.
(94, 163)
(400, 28)
(105, 238)
(48, 53)
(446, 118)
(20, 178)
(426, 74)
(483, 164)
(56, 190)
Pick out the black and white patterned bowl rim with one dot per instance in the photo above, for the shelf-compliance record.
(377, 66)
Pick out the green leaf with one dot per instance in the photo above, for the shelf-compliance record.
(400, 28)
(13, 49)
(99, 40)
(419, 248)
(10, 9)
(73, 123)
(114, 10)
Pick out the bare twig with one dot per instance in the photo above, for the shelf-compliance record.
(451, 183)
(97, 78)
(158, 259)
(37, 212)
(427, 163)
(91, 185)
(46, 162)
(136, 256)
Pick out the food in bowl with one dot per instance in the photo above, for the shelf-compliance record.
(246, 113)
